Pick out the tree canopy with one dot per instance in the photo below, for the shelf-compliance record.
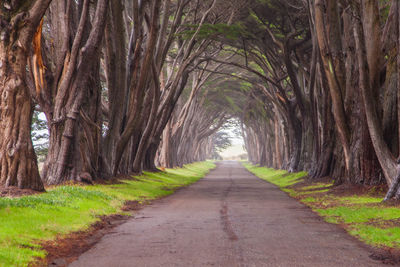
(129, 85)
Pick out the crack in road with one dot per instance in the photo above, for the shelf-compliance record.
(226, 223)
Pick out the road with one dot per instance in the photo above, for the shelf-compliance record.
(229, 218)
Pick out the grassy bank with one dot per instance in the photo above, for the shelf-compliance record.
(26, 221)
(360, 212)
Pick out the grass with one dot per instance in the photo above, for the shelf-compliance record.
(381, 237)
(363, 215)
(280, 178)
(359, 214)
(26, 221)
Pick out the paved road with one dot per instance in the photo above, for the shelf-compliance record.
(229, 218)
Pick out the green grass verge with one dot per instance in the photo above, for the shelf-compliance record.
(26, 221)
(280, 178)
(364, 216)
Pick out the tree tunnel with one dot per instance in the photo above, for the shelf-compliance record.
(128, 85)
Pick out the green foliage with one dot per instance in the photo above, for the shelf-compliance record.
(232, 104)
(384, 9)
(26, 221)
(246, 87)
(222, 141)
(207, 30)
(257, 68)
(269, 3)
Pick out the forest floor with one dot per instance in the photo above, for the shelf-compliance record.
(65, 221)
(228, 218)
(357, 209)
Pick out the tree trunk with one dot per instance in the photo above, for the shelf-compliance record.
(18, 163)
(74, 118)
(331, 53)
(165, 150)
(386, 159)
(115, 68)
(74, 148)
(148, 162)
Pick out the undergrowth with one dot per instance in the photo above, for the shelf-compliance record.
(361, 214)
(27, 221)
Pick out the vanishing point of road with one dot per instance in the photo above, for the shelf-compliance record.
(229, 218)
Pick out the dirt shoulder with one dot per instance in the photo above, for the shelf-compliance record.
(64, 250)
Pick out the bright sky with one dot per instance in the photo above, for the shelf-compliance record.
(237, 145)
(233, 151)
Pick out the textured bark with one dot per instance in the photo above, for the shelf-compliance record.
(18, 163)
(116, 78)
(331, 54)
(137, 95)
(278, 156)
(372, 32)
(166, 148)
(74, 110)
(386, 159)
(75, 145)
(389, 119)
